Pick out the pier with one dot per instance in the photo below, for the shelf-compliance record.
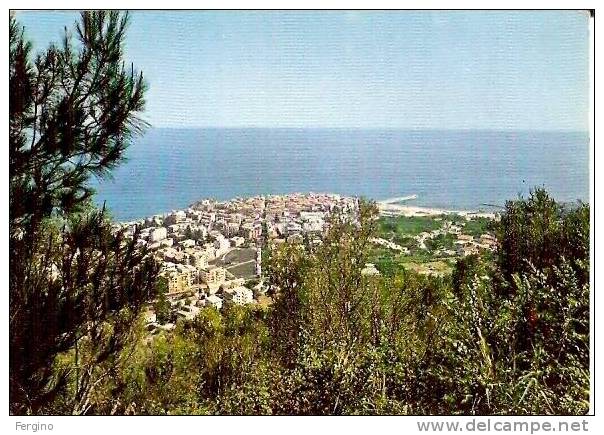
(398, 199)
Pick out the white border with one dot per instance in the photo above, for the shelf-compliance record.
(269, 425)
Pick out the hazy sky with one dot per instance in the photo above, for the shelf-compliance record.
(409, 70)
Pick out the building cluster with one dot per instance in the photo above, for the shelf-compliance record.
(465, 244)
(389, 244)
(198, 247)
(211, 252)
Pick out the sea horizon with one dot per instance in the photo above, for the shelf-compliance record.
(463, 169)
(353, 128)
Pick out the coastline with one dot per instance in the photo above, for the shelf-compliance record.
(386, 207)
(392, 207)
(412, 210)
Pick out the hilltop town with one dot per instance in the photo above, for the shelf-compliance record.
(211, 253)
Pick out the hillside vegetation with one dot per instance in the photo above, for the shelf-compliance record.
(508, 336)
(503, 333)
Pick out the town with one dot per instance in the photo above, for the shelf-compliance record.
(211, 253)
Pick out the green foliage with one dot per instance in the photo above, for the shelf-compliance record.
(477, 226)
(75, 284)
(162, 307)
(527, 353)
(509, 336)
(338, 342)
(539, 233)
(73, 110)
(441, 241)
(407, 225)
(517, 341)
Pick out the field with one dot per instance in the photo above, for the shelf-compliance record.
(403, 230)
(240, 262)
(477, 226)
(388, 262)
(438, 267)
(408, 225)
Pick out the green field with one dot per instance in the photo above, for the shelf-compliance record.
(442, 241)
(389, 262)
(477, 226)
(403, 229)
(407, 225)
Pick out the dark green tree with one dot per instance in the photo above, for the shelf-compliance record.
(516, 336)
(73, 111)
(537, 233)
(162, 305)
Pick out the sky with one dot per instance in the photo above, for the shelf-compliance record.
(491, 70)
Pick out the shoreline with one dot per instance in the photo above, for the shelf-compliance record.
(393, 207)
(386, 207)
(389, 209)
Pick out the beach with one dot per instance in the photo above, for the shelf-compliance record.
(392, 207)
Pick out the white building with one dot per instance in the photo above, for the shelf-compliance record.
(197, 258)
(188, 243)
(188, 269)
(209, 250)
(175, 217)
(188, 312)
(222, 246)
(259, 261)
(239, 295)
(213, 301)
(370, 270)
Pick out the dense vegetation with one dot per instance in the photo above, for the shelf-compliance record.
(74, 283)
(508, 335)
(493, 338)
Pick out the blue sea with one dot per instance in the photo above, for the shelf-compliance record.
(171, 168)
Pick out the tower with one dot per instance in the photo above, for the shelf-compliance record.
(259, 261)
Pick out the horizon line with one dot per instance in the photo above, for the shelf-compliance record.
(260, 127)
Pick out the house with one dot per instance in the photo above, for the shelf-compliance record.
(188, 312)
(213, 276)
(488, 241)
(237, 282)
(209, 250)
(222, 246)
(175, 217)
(180, 277)
(465, 249)
(188, 243)
(370, 270)
(213, 301)
(173, 256)
(154, 221)
(232, 228)
(239, 295)
(157, 234)
(177, 282)
(197, 258)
